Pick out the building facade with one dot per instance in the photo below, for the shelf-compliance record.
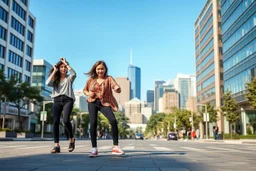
(134, 75)
(239, 56)
(208, 52)
(80, 102)
(185, 85)
(133, 111)
(157, 94)
(170, 100)
(17, 32)
(124, 96)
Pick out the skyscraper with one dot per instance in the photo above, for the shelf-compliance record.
(185, 85)
(239, 57)
(150, 96)
(134, 75)
(124, 96)
(209, 70)
(17, 28)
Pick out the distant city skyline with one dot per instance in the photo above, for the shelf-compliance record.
(160, 34)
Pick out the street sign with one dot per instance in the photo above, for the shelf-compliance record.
(43, 116)
(206, 117)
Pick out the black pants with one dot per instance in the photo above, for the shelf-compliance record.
(65, 104)
(94, 107)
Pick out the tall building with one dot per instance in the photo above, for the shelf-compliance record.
(17, 32)
(170, 100)
(158, 93)
(133, 111)
(135, 78)
(239, 57)
(80, 102)
(124, 96)
(41, 69)
(185, 85)
(150, 96)
(209, 70)
(40, 74)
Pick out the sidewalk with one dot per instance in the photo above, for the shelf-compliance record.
(241, 141)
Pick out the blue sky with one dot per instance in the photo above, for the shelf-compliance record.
(160, 33)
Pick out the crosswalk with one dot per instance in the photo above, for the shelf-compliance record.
(11, 148)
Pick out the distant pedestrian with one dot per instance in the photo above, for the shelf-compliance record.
(99, 88)
(63, 100)
(215, 131)
(197, 134)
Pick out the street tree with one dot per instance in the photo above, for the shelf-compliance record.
(22, 94)
(251, 93)
(213, 113)
(229, 110)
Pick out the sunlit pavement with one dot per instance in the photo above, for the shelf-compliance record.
(148, 155)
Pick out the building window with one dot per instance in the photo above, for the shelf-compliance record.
(19, 10)
(2, 51)
(6, 2)
(30, 22)
(26, 79)
(12, 72)
(3, 14)
(24, 2)
(16, 42)
(1, 67)
(15, 59)
(28, 65)
(30, 37)
(29, 51)
(2, 33)
(17, 26)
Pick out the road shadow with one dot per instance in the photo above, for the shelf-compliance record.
(133, 160)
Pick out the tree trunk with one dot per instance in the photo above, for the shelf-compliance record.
(230, 129)
(19, 120)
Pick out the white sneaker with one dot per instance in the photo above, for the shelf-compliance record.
(94, 152)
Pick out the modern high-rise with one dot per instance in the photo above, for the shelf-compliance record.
(208, 52)
(158, 92)
(41, 69)
(134, 75)
(150, 96)
(124, 96)
(170, 100)
(80, 102)
(17, 32)
(239, 56)
(185, 85)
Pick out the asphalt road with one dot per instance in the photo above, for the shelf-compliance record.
(150, 155)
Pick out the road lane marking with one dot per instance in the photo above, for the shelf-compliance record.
(128, 148)
(163, 149)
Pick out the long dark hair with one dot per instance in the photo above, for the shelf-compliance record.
(92, 73)
(56, 77)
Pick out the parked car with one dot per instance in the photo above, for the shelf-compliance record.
(172, 136)
(139, 137)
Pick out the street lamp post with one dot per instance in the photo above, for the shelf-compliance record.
(42, 131)
(206, 119)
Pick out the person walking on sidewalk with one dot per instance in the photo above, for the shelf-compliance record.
(63, 100)
(98, 88)
(215, 131)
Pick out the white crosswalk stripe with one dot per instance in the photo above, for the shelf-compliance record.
(105, 147)
(128, 148)
(192, 149)
(163, 149)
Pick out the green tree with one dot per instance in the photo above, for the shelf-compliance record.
(22, 94)
(213, 113)
(123, 127)
(229, 110)
(153, 124)
(251, 93)
(4, 91)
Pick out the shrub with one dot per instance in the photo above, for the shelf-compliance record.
(235, 136)
(249, 131)
(6, 130)
(248, 136)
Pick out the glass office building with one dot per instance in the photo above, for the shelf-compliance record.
(239, 57)
(134, 76)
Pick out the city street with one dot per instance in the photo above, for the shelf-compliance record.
(150, 155)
